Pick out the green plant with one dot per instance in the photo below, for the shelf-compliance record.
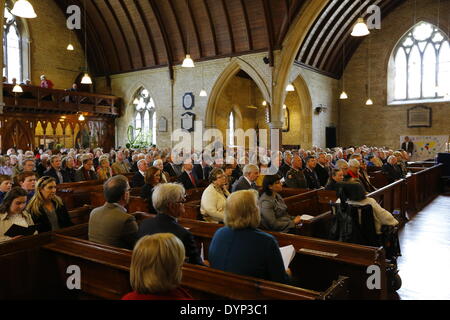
(140, 139)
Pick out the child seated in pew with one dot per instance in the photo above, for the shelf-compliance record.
(12, 212)
(156, 269)
(240, 247)
(5, 185)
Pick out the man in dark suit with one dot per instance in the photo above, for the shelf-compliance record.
(295, 177)
(391, 169)
(188, 178)
(55, 171)
(172, 169)
(321, 169)
(138, 179)
(168, 203)
(247, 181)
(85, 173)
(310, 173)
(408, 146)
(287, 162)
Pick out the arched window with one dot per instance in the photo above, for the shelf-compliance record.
(421, 64)
(145, 117)
(12, 48)
(231, 129)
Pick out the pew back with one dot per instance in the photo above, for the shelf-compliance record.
(106, 275)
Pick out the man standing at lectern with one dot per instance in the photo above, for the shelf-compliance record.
(408, 146)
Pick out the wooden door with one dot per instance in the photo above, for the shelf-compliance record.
(17, 134)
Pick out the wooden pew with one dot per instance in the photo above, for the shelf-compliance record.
(422, 187)
(105, 274)
(378, 179)
(317, 260)
(316, 264)
(393, 197)
(314, 203)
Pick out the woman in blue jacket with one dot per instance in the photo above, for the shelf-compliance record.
(241, 248)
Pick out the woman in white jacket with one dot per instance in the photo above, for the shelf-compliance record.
(214, 197)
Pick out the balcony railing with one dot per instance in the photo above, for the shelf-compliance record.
(36, 99)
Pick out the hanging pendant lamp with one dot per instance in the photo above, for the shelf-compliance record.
(24, 9)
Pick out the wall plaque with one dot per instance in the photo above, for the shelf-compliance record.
(419, 116)
(162, 124)
(187, 121)
(188, 101)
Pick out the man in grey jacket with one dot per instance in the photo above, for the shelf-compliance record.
(111, 224)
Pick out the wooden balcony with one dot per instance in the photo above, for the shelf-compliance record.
(41, 100)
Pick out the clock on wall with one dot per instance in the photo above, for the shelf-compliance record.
(188, 101)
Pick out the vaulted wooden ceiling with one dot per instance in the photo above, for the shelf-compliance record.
(130, 35)
(329, 38)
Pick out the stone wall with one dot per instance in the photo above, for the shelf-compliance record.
(235, 94)
(49, 39)
(383, 124)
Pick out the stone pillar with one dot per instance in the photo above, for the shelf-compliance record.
(276, 136)
(2, 9)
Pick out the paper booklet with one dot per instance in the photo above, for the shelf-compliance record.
(287, 253)
(306, 217)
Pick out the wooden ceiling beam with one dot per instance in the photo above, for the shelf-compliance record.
(148, 31)
(135, 33)
(211, 25)
(116, 51)
(230, 32)
(247, 25)
(325, 29)
(122, 33)
(168, 49)
(197, 36)
(177, 22)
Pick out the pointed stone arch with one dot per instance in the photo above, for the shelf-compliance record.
(236, 64)
(306, 108)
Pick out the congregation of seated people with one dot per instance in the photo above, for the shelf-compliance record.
(245, 198)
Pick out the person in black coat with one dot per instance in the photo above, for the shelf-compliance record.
(138, 180)
(188, 178)
(310, 173)
(247, 181)
(198, 171)
(169, 198)
(47, 209)
(392, 170)
(321, 170)
(68, 167)
(55, 171)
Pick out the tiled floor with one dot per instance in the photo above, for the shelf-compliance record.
(425, 262)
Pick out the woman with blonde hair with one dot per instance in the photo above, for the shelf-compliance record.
(156, 269)
(240, 247)
(46, 208)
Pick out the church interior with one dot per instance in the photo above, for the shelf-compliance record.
(111, 86)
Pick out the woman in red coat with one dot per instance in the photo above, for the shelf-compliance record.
(155, 272)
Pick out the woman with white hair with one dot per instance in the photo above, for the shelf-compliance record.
(240, 247)
(156, 269)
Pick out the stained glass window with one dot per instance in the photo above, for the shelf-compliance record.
(145, 116)
(422, 64)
